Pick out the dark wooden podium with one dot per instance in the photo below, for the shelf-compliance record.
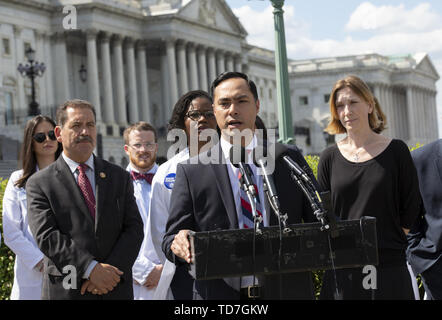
(228, 253)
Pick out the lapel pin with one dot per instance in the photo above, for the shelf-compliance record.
(102, 175)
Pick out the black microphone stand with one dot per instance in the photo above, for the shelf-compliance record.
(328, 223)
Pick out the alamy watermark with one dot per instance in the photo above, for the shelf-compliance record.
(70, 280)
(369, 282)
(70, 20)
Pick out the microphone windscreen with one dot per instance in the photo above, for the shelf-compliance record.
(280, 150)
(237, 154)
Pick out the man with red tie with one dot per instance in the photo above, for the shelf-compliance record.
(83, 215)
(141, 147)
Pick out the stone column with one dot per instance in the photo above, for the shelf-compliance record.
(412, 134)
(132, 81)
(144, 83)
(41, 83)
(418, 109)
(49, 73)
(220, 62)
(119, 81)
(167, 104)
(229, 62)
(193, 67)
(238, 64)
(202, 68)
(392, 122)
(434, 118)
(212, 65)
(108, 102)
(173, 84)
(182, 67)
(62, 91)
(92, 68)
(20, 56)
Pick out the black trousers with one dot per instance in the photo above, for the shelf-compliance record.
(432, 279)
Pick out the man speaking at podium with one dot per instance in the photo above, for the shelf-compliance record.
(207, 197)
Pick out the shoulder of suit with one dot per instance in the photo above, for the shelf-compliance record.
(427, 151)
(45, 173)
(109, 166)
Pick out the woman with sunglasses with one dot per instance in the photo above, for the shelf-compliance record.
(39, 149)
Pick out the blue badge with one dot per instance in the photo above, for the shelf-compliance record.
(169, 180)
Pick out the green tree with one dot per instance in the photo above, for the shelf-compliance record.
(7, 257)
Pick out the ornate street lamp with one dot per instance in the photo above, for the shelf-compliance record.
(32, 70)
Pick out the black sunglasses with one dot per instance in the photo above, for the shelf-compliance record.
(41, 136)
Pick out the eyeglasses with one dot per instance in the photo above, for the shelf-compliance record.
(41, 136)
(147, 146)
(196, 115)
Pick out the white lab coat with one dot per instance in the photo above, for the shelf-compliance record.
(17, 236)
(147, 258)
(159, 213)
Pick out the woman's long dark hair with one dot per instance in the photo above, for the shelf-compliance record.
(27, 154)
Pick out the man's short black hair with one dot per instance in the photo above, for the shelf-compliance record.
(233, 74)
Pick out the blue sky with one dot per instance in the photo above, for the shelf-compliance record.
(323, 28)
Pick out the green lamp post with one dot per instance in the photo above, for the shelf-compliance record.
(286, 134)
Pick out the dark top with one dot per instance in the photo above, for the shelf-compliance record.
(385, 187)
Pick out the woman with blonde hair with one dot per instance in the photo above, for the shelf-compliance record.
(369, 174)
(39, 149)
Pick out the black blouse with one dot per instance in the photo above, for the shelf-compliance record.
(385, 187)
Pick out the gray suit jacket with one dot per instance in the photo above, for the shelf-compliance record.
(66, 233)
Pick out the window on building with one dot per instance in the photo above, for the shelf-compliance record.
(9, 108)
(326, 98)
(6, 45)
(26, 46)
(303, 100)
(270, 94)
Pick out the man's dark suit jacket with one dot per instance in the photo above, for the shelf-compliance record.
(67, 235)
(425, 239)
(202, 200)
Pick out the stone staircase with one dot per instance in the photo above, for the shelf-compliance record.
(7, 167)
(9, 153)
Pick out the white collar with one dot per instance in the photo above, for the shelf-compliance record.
(74, 165)
(226, 146)
(130, 167)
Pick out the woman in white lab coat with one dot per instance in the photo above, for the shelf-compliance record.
(39, 149)
(193, 112)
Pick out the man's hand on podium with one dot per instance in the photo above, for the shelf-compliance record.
(181, 245)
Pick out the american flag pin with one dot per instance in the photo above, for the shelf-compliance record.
(102, 175)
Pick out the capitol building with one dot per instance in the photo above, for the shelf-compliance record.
(133, 59)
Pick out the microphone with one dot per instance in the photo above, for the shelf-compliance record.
(282, 151)
(260, 161)
(238, 158)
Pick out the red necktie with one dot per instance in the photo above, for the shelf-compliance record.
(140, 176)
(248, 219)
(86, 189)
